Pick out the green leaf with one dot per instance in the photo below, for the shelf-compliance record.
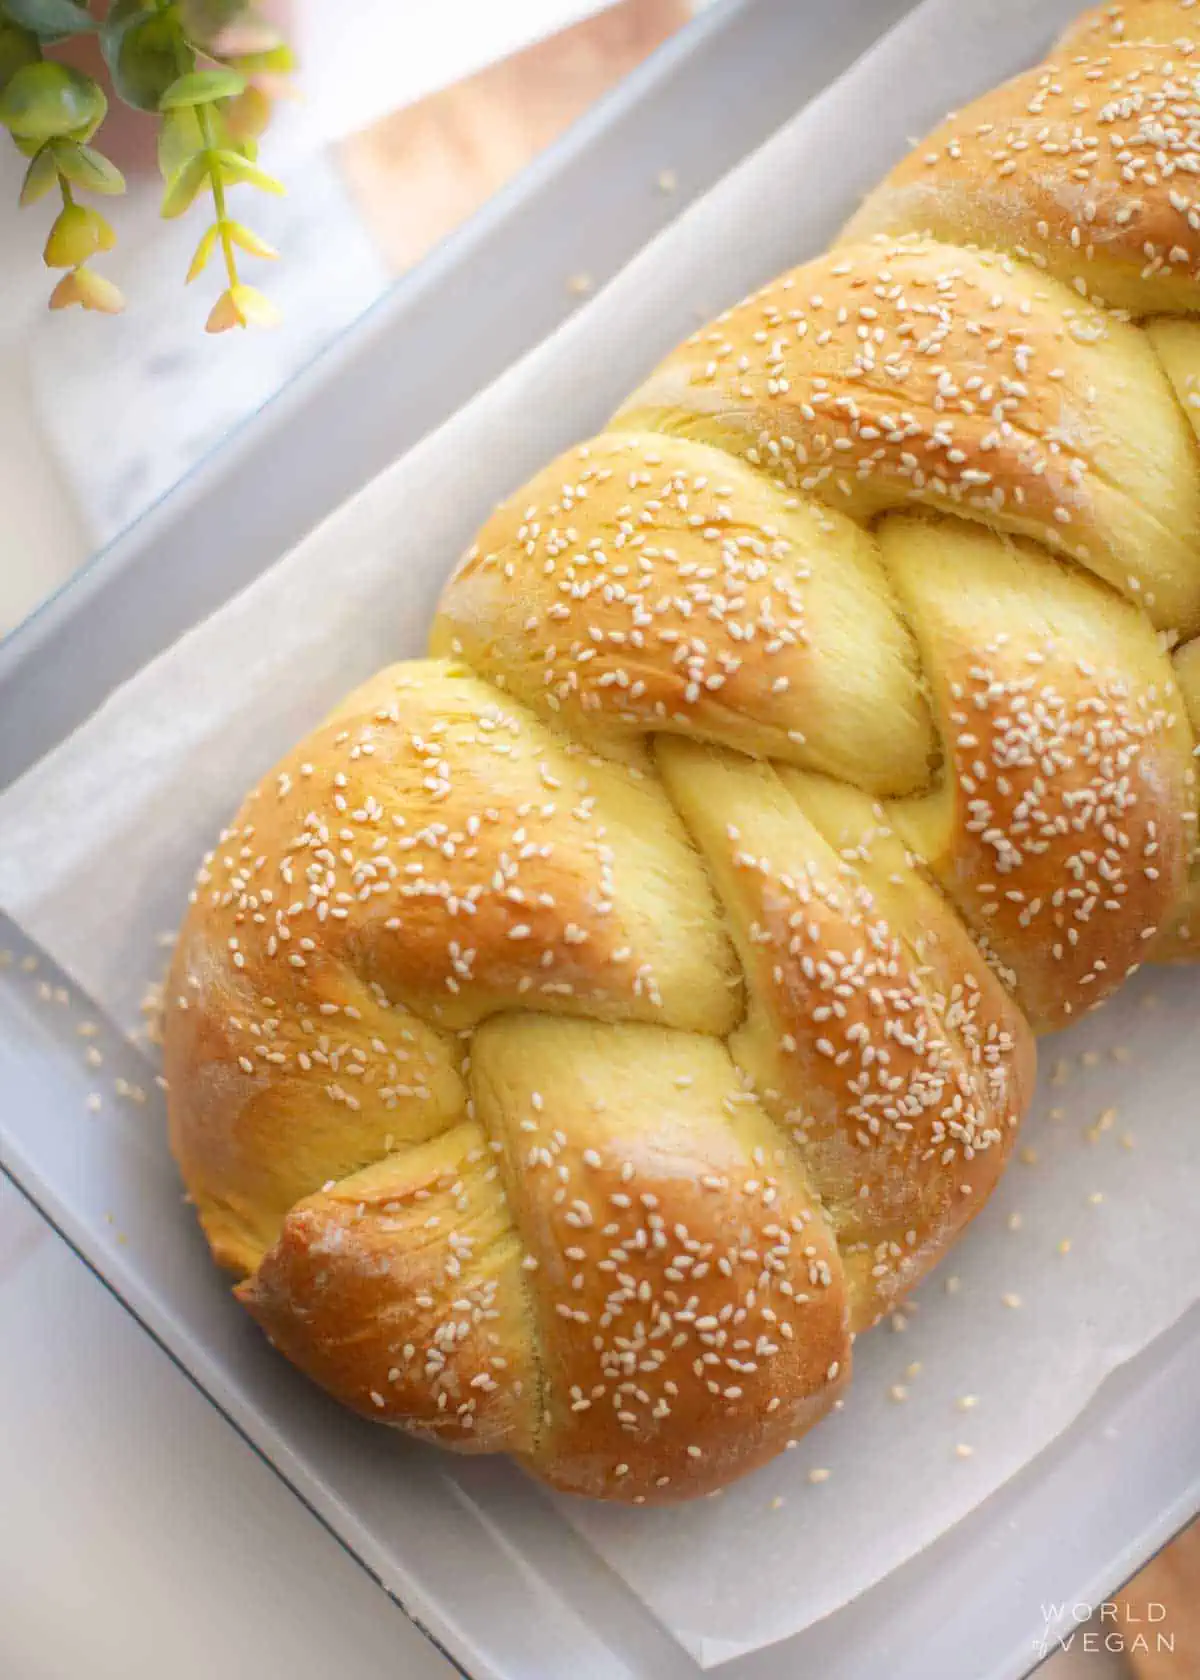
(17, 48)
(201, 87)
(203, 251)
(87, 168)
(179, 138)
(235, 167)
(280, 60)
(140, 49)
(78, 233)
(39, 177)
(50, 20)
(46, 101)
(121, 15)
(182, 191)
(250, 241)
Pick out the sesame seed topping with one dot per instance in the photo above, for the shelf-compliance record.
(647, 981)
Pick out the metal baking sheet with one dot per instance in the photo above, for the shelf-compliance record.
(1081, 1519)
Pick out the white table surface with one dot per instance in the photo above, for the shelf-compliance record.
(140, 1538)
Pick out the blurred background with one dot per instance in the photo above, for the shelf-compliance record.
(407, 117)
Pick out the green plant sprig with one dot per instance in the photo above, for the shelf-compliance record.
(52, 112)
(211, 156)
(205, 67)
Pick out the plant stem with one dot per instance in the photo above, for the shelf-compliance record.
(185, 59)
(218, 192)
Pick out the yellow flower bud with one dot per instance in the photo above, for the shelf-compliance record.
(95, 292)
(83, 286)
(223, 315)
(66, 292)
(241, 306)
(254, 309)
(78, 233)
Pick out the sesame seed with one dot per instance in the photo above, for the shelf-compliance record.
(582, 832)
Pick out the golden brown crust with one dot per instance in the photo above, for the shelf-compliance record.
(1118, 220)
(911, 372)
(565, 1045)
(1179, 940)
(400, 1291)
(1174, 23)
(645, 583)
(877, 1037)
(690, 1297)
(278, 1087)
(1060, 834)
(431, 845)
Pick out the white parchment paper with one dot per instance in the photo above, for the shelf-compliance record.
(1092, 1246)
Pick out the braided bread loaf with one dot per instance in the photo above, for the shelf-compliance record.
(588, 1030)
